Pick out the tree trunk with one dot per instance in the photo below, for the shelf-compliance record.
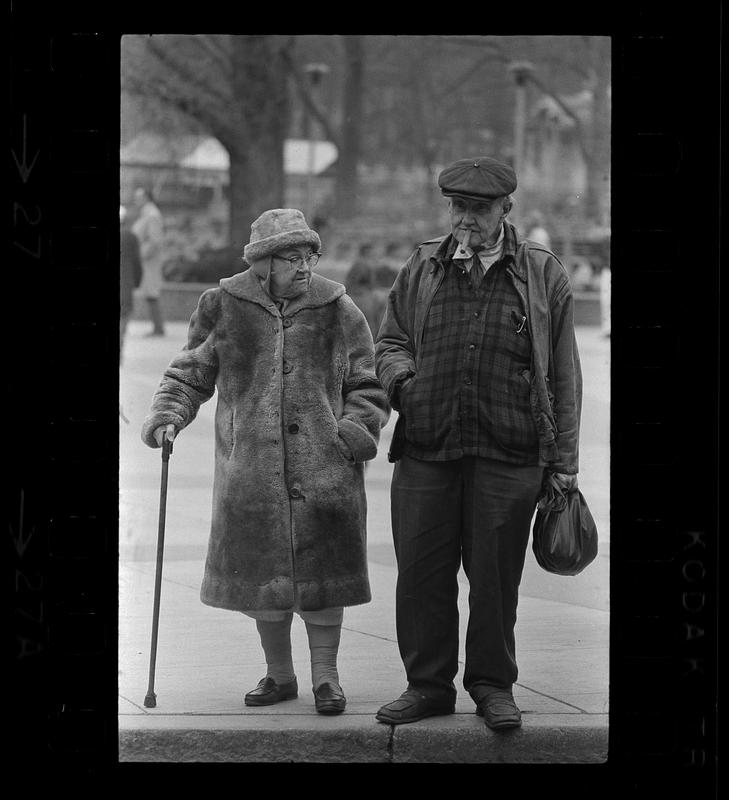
(346, 189)
(598, 165)
(257, 180)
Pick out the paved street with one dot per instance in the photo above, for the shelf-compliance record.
(208, 657)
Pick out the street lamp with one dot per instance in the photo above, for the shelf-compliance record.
(521, 70)
(314, 73)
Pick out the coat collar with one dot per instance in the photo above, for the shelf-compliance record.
(512, 243)
(246, 286)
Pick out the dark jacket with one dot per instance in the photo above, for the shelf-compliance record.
(299, 409)
(548, 304)
(130, 270)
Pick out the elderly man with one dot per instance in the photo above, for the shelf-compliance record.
(477, 353)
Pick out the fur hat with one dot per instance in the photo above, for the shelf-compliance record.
(276, 229)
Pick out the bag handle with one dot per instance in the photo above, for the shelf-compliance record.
(553, 497)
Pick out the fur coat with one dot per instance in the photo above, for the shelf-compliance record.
(299, 410)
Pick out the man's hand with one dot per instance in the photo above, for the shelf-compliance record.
(400, 384)
(163, 430)
(567, 483)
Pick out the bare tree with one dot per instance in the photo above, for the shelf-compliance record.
(399, 99)
(586, 60)
(446, 87)
(347, 136)
(236, 88)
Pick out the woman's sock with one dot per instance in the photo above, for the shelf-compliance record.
(276, 643)
(323, 646)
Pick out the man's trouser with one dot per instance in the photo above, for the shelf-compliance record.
(472, 509)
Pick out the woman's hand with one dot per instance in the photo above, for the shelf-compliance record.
(168, 430)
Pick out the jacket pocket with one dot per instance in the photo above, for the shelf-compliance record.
(426, 429)
(355, 443)
(344, 450)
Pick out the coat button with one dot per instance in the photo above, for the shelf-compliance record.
(287, 367)
(295, 491)
(287, 323)
(471, 346)
(293, 428)
(467, 380)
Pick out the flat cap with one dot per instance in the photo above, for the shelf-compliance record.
(479, 178)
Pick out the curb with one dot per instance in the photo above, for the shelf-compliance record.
(458, 739)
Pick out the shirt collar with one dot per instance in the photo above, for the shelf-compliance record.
(469, 253)
(445, 250)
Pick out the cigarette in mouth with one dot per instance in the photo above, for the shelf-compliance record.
(466, 239)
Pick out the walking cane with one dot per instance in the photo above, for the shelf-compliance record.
(150, 701)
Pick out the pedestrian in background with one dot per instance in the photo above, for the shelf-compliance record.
(477, 352)
(149, 230)
(536, 230)
(130, 274)
(299, 411)
(360, 284)
(392, 260)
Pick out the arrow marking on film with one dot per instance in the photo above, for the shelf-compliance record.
(23, 167)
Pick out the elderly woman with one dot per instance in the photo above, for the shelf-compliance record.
(299, 412)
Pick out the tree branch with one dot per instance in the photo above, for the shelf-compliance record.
(308, 99)
(212, 47)
(579, 127)
(188, 76)
(492, 42)
(186, 103)
(499, 55)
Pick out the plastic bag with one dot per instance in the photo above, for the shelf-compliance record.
(564, 537)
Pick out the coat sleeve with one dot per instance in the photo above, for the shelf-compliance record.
(365, 408)
(190, 378)
(565, 380)
(153, 236)
(395, 347)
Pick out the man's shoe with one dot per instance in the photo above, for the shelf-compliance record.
(412, 706)
(269, 692)
(499, 710)
(329, 699)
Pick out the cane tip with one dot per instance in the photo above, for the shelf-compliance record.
(150, 701)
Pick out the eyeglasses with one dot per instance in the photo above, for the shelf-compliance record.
(297, 261)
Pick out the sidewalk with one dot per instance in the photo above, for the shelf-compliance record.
(208, 658)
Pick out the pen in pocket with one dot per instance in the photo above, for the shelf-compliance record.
(522, 323)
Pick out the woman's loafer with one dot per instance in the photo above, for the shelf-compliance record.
(329, 699)
(412, 706)
(269, 692)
